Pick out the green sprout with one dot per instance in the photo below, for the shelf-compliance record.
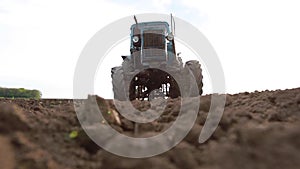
(73, 134)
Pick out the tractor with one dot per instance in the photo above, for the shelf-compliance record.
(153, 68)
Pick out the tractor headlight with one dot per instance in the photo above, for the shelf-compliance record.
(170, 37)
(135, 39)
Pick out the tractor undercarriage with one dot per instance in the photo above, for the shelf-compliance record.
(152, 83)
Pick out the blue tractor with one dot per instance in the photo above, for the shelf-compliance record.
(153, 68)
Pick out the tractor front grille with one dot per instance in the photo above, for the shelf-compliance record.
(154, 44)
(154, 39)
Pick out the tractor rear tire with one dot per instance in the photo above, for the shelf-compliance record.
(195, 68)
(118, 82)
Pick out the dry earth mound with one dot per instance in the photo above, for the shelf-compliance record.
(258, 130)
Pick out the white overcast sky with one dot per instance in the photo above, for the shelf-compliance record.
(257, 41)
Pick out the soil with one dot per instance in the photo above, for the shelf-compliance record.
(258, 130)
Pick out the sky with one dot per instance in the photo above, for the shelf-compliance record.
(257, 41)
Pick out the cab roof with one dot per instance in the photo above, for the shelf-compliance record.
(147, 24)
